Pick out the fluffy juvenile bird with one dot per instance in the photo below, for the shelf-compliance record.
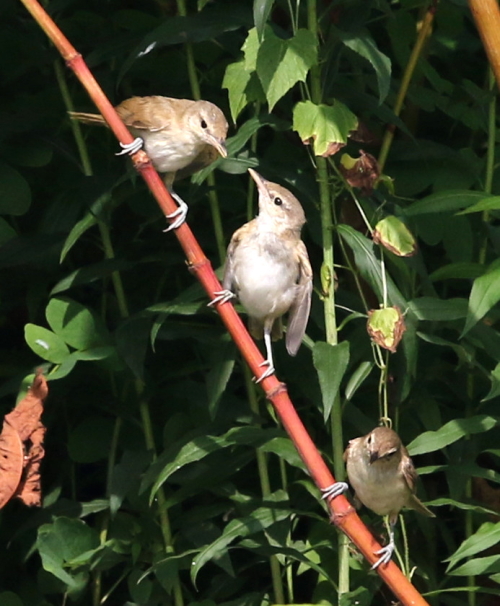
(268, 269)
(384, 479)
(177, 134)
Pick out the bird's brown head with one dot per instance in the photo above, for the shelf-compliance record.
(384, 445)
(279, 204)
(209, 123)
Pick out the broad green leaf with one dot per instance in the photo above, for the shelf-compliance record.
(243, 87)
(259, 520)
(453, 502)
(452, 431)
(250, 49)
(487, 535)
(358, 378)
(369, 266)
(284, 449)
(15, 193)
(330, 362)
(446, 201)
(486, 565)
(140, 587)
(63, 541)
(76, 233)
(132, 340)
(490, 203)
(90, 273)
(392, 233)
(465, 271)
(45, 343)
(6, 232)
(326, 125)
(261, 10)
(484, 295)
(433, 309)
(9, 598)
(364, 45)
(282, 63)
(74, 323)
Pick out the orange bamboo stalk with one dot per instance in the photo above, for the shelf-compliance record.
(342, 514)
(486, 14)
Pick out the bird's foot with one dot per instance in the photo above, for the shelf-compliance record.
(180, 213)
(266, 373)
(131, 148)
(385, 555)
(336, 489)
(221, 296)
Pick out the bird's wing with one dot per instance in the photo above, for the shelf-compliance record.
(228, 282)
(408, 470)
(299, 311)
(149, 113)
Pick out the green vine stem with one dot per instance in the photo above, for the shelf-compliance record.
(265, 484)
(329, 304)
(212, 190)
(423, 34)
(139, 386)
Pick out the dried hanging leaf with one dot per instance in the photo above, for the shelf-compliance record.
(360, 172)
(393, 234)
(386, 327)
(21, 447)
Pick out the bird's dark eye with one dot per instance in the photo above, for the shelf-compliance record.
(278, 201)
(203, 124)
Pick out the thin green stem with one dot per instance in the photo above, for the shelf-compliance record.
(213, 198)
(265, 484)
(423, 34)
(490, 157)
(329, 300)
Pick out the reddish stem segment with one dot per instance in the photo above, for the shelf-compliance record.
(343, 515)
(486, 14)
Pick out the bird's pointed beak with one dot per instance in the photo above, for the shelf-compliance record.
(259, 181)
(219, 145)
(374, 456)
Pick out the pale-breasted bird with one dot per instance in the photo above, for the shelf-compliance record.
(384, 479)
(268, 269)
(177, 134)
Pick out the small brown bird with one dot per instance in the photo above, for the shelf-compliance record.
(268, 269)
(384, 479)
(177, 134)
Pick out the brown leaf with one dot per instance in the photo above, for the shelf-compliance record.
(21, 447)
(360, 172)
(386, 327)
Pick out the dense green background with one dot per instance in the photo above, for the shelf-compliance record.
(152, 363)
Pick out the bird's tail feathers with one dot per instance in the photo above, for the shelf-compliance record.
(417, 505)
(256, 329)
(87, 118)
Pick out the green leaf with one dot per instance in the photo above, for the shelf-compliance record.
(222, 359)
(9, 598)
(6, 232)
(365, 46)
(434, 310)
(261, 10)
(250, 50)
(484, 295)
(489, 203)
(487, 535)
(243, 87)
(259, 520)
(140, 587)
(486, 565)
(15, 193)
(445, 201)
(452, 431)
(495, 384)
(369, 266)
(326, 125)
(330, 362)
(63, 541)
(74, 323)
(461, 270)
(45, 343)
(392, 233)
(358, 378)
(90, 273)
(283, 63)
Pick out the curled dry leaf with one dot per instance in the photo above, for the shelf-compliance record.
(360, 172)
(386, 327)
(21, 447)
(393, 234)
